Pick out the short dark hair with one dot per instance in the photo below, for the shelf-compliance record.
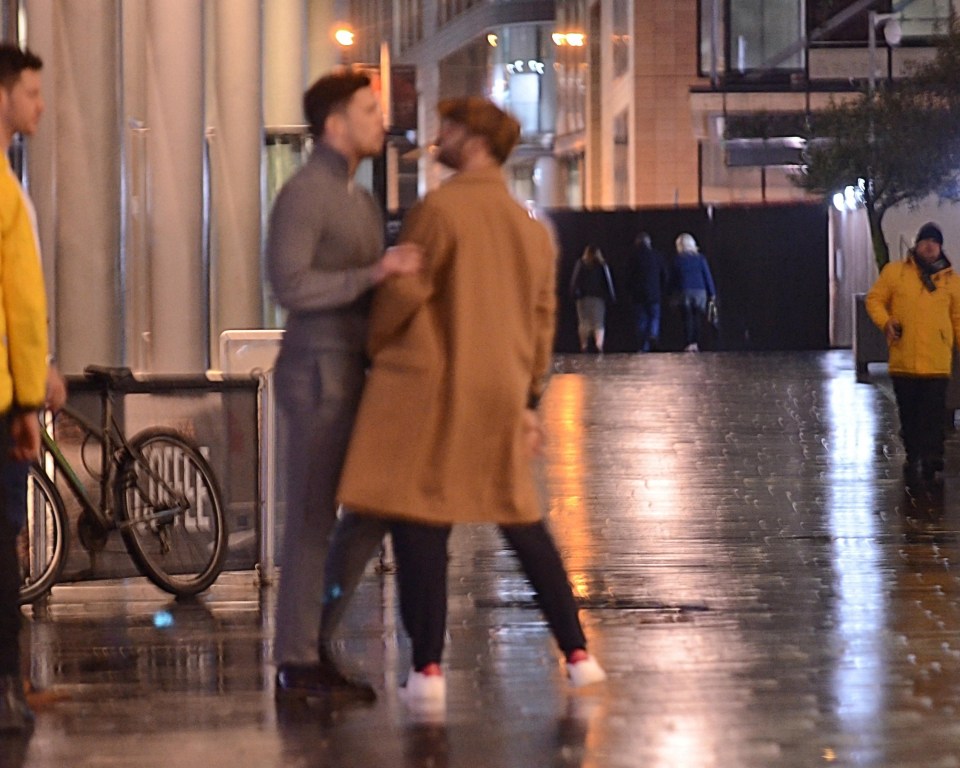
(482, 117)
(13, 60)
(328, 94)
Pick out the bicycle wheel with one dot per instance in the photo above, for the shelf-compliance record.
(42, 544)
(170, 514)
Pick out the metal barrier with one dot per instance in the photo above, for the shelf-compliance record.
(869, 344)
(254, 352)
(217, 412)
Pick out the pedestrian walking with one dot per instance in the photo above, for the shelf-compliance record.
(693, 286)
(916, 303)
(592, 289)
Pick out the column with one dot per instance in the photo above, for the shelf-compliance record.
(75, 176)
(324, 55)
(175, 131)
(234, 144)
(428, 85)
(284, 61)
(548, 183)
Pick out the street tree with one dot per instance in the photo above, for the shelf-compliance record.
(898, 144)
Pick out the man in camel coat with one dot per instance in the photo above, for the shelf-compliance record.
(448, 427)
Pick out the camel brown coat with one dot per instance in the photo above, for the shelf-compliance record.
(458, 352)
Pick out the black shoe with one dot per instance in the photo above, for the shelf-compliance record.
(321, 680)
(15, 714)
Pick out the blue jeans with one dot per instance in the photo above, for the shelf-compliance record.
(648, 324)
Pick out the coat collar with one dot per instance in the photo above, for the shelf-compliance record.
(325, 155)
(485, 176)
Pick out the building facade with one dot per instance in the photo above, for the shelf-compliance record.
(189, 117)
(628, 103)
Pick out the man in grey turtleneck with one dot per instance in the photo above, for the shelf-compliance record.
(324, 255)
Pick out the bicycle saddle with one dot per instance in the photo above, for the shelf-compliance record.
(108, 376)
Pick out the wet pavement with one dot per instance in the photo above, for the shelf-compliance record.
(752, 574)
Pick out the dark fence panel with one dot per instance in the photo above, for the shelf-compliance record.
(772, 276)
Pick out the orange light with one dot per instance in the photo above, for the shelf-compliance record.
(574, 39)
(344, 36)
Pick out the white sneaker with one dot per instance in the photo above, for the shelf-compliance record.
(692, 347)
(424, 692)
(585, 672)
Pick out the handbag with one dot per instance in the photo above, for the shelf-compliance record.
(713, 313)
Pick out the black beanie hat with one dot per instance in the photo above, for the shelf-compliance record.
(930, 231)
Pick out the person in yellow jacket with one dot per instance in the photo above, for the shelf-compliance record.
(23, 354)
(916, 303)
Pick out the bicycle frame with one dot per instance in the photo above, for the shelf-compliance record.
(111, 441)
(156, 489)
(101, 512)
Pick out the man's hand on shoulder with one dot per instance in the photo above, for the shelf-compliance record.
(403, 259)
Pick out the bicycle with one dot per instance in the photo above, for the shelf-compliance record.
(155, 488)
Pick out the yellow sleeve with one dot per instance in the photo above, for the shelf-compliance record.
(23, 301)
(878, 298)
(955, 309)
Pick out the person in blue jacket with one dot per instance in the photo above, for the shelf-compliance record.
(692, 282)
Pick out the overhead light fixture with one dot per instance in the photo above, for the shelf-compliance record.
(574, 39)
(344, 36)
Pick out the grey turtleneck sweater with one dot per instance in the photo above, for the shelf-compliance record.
(325, 236)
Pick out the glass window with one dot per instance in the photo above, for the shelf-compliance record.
(621, 158)
(926, 18)
(572, 170)
(761, 31)
(712, 60)
(571, 68)
(522, 78)
(621, 39)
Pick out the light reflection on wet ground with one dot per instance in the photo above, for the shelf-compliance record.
(752, 575)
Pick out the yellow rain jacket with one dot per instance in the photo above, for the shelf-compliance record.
(930, 320)
(23, 321)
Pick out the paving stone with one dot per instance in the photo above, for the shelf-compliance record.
(750, 570)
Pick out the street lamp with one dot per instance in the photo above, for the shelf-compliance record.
(892, 34)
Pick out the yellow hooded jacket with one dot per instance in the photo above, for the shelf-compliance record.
(930, 320)
(23, 319)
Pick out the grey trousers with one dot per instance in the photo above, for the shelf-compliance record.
(355, 540)
(318, 393)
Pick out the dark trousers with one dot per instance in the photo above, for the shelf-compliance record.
(921, 402)
(9, 597)
(648, 324)
(693, 306)
(10, 524)
(421, 552)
